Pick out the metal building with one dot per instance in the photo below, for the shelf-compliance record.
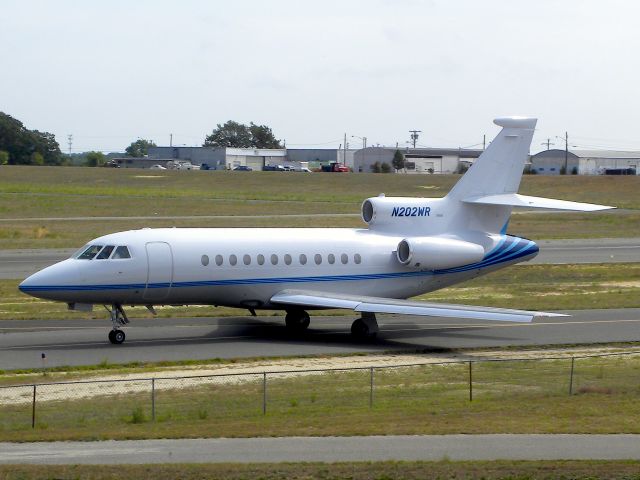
(417, 160)
(585, 162)
(221, 158)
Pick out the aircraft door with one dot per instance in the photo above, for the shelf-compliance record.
(159, 271)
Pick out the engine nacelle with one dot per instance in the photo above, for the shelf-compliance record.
(437, 253)
(383, 211)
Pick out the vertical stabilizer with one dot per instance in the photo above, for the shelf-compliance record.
(499, 169)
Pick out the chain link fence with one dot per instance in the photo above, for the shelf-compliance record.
(110, 404)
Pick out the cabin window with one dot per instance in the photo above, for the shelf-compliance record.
(90, 252)
(219, 260)
(274, 259)
(344, 258)
(357, 258)
(246, 259)
(317, 258)
(233, 260)
(106, 251)
(121, 252)
(260, 259)
(331, 258)
(303, 259)
(205, 260)
(287, 259)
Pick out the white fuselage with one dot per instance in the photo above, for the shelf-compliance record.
(245, 267)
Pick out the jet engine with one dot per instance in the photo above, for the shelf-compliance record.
(437, 253)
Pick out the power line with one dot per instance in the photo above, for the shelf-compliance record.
(548, 143)
(414, 136)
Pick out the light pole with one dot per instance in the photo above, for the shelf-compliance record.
(364, 145)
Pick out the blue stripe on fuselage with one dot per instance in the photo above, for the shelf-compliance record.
(508, 249)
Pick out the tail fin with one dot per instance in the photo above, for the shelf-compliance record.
(499, 169)
(486, 194)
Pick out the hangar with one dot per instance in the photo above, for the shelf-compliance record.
(220, 158)
(417, 160)
(585, 162)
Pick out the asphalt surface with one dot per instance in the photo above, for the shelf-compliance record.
(84, 342)
(19, 264)
(328, 449)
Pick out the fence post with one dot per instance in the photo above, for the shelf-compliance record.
(264, 393)
(153, 399)
(33, 409)
(470, 382)
(371, 389)
(573, 361)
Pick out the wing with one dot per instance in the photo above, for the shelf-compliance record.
(309, 299)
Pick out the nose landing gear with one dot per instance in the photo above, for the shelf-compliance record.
(118, 319)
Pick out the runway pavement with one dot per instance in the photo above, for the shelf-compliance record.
(84, 342)
(19, 264)
(328, 449)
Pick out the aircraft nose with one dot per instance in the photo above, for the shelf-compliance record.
(50, 282)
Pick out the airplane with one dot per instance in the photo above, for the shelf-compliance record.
(411, 246)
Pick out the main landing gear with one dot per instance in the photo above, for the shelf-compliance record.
(118, 319)
(297, 320)
(365, 327)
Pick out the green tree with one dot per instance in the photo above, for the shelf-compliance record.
(4, 157)
(375, 168)
(139, 148)
(398, 160)
(37, 158)
(263, 137)
(95, 159)
(234, 134)
(231, 134)
(385, 168)
(21, 143)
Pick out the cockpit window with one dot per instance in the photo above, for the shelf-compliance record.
(90, 252)
(121, 252)
(105, 252)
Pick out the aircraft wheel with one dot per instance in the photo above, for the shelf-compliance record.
(360, 330)
(117, 337)
(297, 320)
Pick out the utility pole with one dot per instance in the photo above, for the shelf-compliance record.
(70, 142)
(548, 143)
(414, 136)
(566, 151)
(484, 142)
(344, 150)
(171, 139)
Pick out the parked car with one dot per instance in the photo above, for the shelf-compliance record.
(243, 168)
(273, 168)
(157, 167)
(335, 167)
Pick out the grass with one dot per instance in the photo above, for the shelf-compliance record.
(445, 469)
(44, 192)
(537, 287)
(526, 396)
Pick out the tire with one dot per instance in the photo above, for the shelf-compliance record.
(111, 336)
(297, 320)
(118, 337)
(359, 329)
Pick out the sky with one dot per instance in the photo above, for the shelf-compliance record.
(109, 72)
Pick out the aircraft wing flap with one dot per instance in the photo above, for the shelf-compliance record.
(517, 200)
(309, 299)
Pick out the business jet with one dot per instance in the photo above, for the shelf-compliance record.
(411, 246)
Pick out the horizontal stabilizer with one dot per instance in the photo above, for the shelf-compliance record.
(309, 299)
(517, 200)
